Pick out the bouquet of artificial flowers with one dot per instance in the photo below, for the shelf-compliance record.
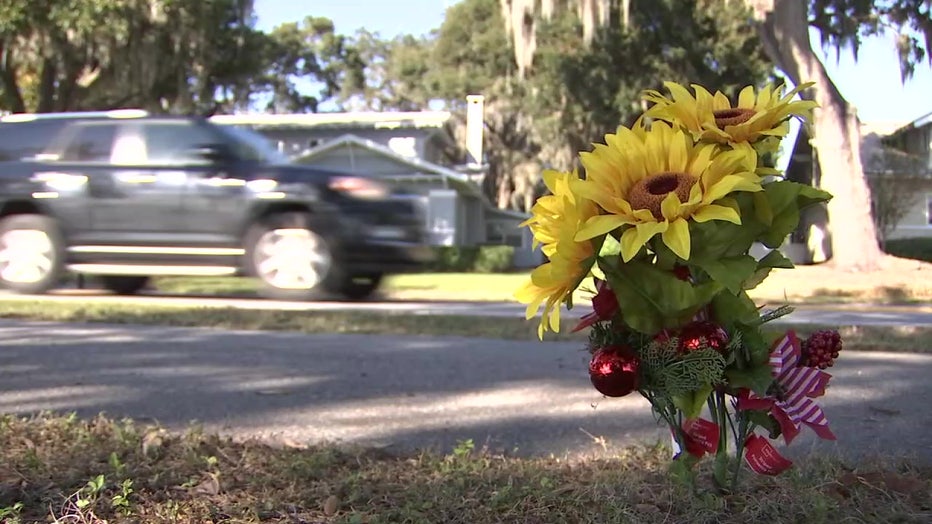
(664, 221)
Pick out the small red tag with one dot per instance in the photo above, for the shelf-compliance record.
(763, 458)
(705, 434)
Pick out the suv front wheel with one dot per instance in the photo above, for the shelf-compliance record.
(31, 253)
(291, 257)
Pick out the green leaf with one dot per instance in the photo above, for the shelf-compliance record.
(691, 403)
(651, 299)
(683, 469)
(731, 272)
(764, 266)
(776, 259)
(762, 209)
(809, 195)
(758, 378)
(764, 420)
(786, 199)
(730, 309)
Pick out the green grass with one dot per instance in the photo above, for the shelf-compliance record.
(886, 338)
(61, 469)
(803, 285)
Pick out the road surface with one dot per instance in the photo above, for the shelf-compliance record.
(401, 393)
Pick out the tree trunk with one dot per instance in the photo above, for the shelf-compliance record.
(784, 31)
(9, 81)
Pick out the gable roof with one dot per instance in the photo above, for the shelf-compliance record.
(457, 179)
(922, 121)
(353, 119)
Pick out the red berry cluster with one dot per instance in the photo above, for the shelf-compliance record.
(821, 349)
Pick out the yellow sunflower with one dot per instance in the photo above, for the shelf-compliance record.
(756, 117)
(656, 179)
(555, 222)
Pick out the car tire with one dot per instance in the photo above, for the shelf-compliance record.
(292, 256)
(358, 287)
(124, 285)
(31, 254)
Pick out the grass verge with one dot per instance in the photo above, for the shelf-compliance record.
(900, 281)
(60, 469)
(878, 338)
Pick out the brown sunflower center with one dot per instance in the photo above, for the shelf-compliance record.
(649, 192)
(732, 117)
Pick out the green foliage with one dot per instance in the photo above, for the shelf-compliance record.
(186, 56)
(918, 248)
(844, 23)
(666, 371)
(481, 259)
(652, 299)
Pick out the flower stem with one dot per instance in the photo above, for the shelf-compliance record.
(743, 429)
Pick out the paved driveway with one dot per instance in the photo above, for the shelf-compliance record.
(400, 392)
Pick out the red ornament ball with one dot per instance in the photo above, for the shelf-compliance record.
(702, 334)
(613, 371)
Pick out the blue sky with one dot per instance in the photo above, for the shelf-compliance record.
(872, 83)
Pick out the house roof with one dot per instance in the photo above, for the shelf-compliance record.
(357, 119)
(459, 180)
(922, 121)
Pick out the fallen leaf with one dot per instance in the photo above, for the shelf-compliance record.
(152, 441)
(208, 486)
(331, 505)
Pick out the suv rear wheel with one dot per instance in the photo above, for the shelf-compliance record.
(291, 256)
(31, 253)
(124, 285)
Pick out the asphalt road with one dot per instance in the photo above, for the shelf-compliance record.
(854, 314)
(527, 398)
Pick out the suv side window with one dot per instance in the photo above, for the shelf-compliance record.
(91, 142)
(173, 143)
(20, 140)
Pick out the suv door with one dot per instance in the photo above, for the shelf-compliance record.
(213, 201)
(130, 203)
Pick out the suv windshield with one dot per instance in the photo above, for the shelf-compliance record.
(251, 145)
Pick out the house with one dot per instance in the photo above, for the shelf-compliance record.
(897, 161)
(907, 158)
(406, 150)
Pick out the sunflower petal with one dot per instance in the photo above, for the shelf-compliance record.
(633, 239)
(746, 98)
(599, 225)
(676, 237)
(715, 212)
(728, 184)
(670, 206)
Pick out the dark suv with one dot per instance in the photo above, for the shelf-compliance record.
(124, 196)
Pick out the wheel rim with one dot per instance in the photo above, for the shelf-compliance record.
(292, 259)
(26, 256)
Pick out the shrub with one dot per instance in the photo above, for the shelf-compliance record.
(494, 259)
(917, 248)
(482, 259)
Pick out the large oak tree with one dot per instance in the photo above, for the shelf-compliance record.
(783, 27)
